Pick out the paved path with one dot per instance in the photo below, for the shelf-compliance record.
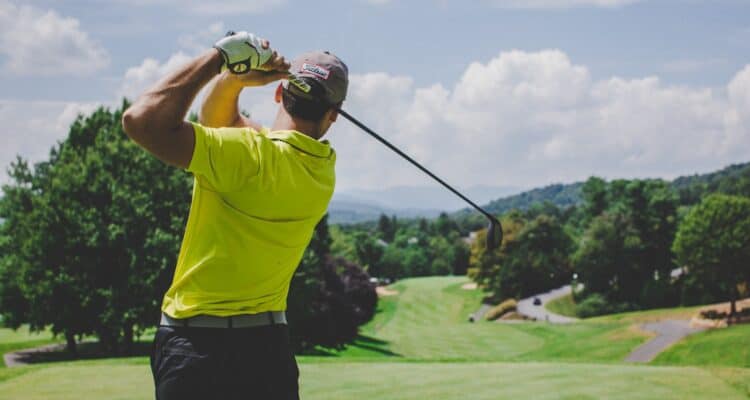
(21, 357)
(668, 332)
(479, 314)
(526, 307)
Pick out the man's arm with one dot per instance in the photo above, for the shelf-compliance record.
(220, 105)
(156, 120)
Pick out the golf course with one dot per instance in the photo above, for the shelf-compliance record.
(420, 345)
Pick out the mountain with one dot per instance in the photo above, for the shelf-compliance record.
(346, 212)
(424, 197)
(734, 179)
(428, 202)
(359, 205)
(562, 195)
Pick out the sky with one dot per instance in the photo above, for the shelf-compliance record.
(488, 92)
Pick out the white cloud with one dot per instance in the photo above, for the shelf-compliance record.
(225, 7)
(560, 3)
(532, 118)
(199, 41)
(31, 128)
(521, 119)
(141, 77)
(37, 42)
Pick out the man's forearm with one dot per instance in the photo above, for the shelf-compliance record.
(220, 106)
(158, 115)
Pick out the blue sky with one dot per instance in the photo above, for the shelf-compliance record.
(496, 92)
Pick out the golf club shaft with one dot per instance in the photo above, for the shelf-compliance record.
(416, 164)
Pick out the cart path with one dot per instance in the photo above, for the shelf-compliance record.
(21, 357)
(668, 332)
(540, 313)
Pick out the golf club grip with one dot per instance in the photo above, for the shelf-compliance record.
(416, 164)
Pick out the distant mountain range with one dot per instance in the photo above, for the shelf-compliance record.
(690, 188)
(411, 202)
(406, 202)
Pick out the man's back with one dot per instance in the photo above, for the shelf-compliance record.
(256, 201)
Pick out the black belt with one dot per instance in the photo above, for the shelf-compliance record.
(234, 321)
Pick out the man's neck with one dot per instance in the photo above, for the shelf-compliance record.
(284, 122)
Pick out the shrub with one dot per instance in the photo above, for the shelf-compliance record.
(500, 309)
(593, 305)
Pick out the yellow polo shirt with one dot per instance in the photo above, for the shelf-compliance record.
(256, 200)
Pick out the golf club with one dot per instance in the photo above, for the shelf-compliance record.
(494, 230)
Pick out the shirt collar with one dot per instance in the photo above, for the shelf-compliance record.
(302, 142)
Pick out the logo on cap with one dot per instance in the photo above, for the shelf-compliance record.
(315, 70)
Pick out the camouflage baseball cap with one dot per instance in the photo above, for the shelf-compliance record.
(327, 77)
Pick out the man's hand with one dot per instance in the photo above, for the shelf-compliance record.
(244, 52)
(220, 103)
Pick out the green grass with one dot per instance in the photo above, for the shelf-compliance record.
(420, 345)
(427, 321)
(396, 380)
(649, 315)
(725, 347)
(562, 305)
(13, 340)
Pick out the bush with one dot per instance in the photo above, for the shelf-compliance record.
(500, 309)
(593, 305)
(596, 304)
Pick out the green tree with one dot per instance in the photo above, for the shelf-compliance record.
(713, 242)
(368, 250)
(594, 193)
(329, 298)
(97, 230)
(387, 227)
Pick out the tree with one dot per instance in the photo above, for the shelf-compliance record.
(368, 251)
(90, 237)
(485, 266)
(387, 227)
(535, 258)
(604, 260)
(594, 193)
(713, 242)
(625, 254)
(329, 297)
(444, 225)
(461, 254)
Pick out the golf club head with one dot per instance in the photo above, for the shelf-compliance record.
(494, 234)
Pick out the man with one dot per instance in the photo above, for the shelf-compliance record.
(257, 197)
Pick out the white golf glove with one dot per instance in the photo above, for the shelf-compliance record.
(243, 52)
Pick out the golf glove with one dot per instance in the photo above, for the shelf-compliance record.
(242, 52)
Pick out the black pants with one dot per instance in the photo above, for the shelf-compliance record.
(238, 363)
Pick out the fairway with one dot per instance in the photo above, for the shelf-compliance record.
(427, 320)
(420, 346)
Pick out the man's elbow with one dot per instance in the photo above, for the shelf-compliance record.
(132, 124)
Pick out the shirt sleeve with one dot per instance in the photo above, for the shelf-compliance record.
(225, 158)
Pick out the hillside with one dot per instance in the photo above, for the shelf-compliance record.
(734, 179)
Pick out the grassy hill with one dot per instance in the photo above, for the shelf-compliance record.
(421, 346)
(734, 179)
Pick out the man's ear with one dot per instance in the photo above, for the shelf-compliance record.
(334, 112)
(277, 95)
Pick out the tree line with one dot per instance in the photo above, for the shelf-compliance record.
(632, 244)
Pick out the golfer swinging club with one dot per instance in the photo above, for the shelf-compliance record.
(257, 197)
